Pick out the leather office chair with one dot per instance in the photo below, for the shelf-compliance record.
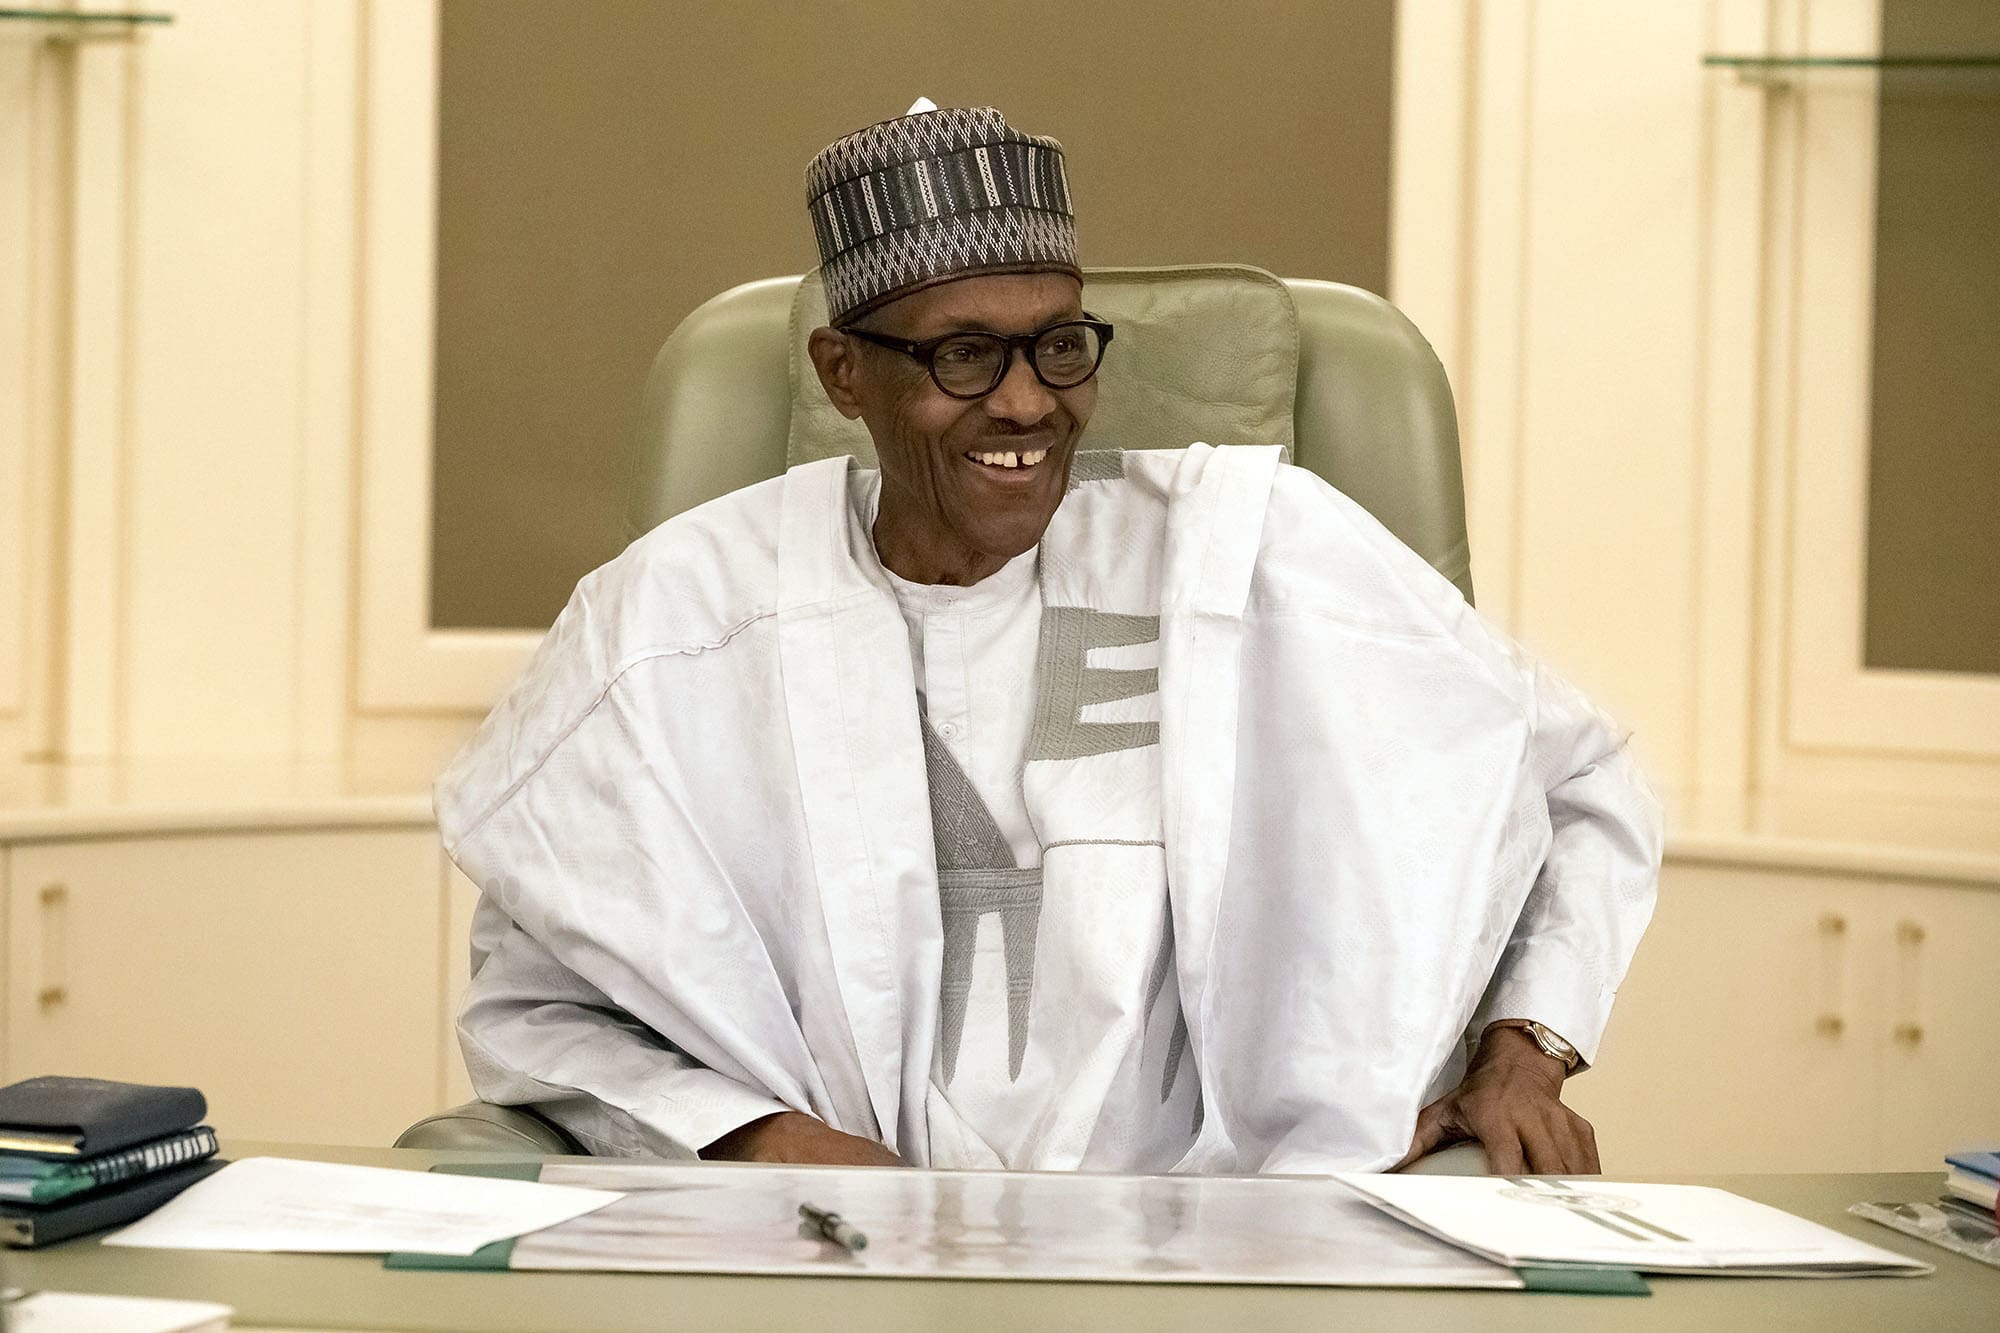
(1221, 353)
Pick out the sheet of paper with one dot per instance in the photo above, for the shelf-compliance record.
(76, 1312)
(1653, 1228)
(995, 1224)
(275, 1203)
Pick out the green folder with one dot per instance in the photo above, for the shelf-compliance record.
(492, 1258)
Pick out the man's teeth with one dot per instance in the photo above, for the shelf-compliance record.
(1009, 458)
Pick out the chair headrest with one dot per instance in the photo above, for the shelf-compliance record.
(1203, 352)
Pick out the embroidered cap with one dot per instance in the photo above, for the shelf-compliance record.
(932, 196)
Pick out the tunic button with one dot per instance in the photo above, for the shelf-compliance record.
(949, 731)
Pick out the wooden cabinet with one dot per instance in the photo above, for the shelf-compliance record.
(1776, 1019)
(1785, 1020)
(1937, 1044)
(295, 977)
(461, 896)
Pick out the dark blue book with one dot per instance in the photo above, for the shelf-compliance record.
(1978, 1163)
(58, 1117)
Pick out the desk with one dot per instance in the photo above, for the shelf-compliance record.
(324, 1291)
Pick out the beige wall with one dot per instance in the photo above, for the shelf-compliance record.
(1651, 282)
(606, 166)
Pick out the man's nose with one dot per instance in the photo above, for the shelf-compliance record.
(1020, 397)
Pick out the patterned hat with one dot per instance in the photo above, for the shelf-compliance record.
(933, 196)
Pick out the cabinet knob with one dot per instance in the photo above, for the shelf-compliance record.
(1833, 923)
(1909, 932)
(1910, 1034)
(1831, 1025)
(54, 900)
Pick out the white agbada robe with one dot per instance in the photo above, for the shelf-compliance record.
(702, 824)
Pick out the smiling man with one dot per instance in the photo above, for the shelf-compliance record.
(1012, 805)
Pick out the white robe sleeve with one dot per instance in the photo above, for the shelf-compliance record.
(536, 1034)
(1594, 895)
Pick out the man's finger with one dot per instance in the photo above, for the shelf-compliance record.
(1544, 1150)
(1587, 1141)
(1431, 1132)
(1571, 1158)
(1505, 1153)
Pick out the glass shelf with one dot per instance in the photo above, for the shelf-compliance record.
(1852, 62)
(1977, 73)
(80, 25)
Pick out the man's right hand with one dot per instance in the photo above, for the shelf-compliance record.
(792, 1136)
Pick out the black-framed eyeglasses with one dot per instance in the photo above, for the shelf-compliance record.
(971, 364)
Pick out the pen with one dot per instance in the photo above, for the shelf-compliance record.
(831, 1227)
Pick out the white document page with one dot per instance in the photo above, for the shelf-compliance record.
(1652, 1228)
(275, 1203)
(1023, 1225)
(75, 1312)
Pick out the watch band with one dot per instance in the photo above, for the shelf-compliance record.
(1551, 1043)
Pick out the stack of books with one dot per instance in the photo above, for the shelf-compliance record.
(80, 1154)
(1964, 1220)
(1972, 1186)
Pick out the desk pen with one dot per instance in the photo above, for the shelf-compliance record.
(830, 1226)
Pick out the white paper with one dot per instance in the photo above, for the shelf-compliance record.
(1652, 1228)
(76, 1312)
(1063, 1226)
(275, 1203)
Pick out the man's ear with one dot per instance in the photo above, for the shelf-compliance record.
(839, 370)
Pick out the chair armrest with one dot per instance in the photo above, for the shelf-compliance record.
(1458, 1159)
(482, 1126)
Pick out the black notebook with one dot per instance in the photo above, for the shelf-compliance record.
(47, 1179)
(29, 1226)
(56, 1117)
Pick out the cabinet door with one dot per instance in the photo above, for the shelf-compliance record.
(461, 895)
(1735, 1044)
(1938, 1042)
(293, 977)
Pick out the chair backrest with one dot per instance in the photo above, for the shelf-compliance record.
(1221, 353)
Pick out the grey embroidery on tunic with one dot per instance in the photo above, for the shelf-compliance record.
(1067, 684)
(1096, 465)
(977, 877)
(1155, 983)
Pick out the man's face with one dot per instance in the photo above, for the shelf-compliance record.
(947, 516)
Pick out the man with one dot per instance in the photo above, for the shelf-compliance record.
(1019, 806)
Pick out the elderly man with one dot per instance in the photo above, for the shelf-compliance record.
(1021, 806)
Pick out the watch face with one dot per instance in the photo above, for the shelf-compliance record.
(1552, 1043)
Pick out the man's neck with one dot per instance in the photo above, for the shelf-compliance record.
(919, 562)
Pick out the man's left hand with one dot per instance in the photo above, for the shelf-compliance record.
(1510, 1100)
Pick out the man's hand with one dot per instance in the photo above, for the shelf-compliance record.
(792, 1136)
(1510, 1100)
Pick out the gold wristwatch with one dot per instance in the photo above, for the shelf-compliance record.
(1551, 1043)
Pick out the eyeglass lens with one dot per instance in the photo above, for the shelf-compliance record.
(975, 363)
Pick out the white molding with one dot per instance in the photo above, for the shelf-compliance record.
(17, 327)
(325, 494)
(46, 269)
(1834, 701)
(1458, 232)
(98, 387)
(1430, 170)
(1500, 60)
(403, 665)
(1728, 439)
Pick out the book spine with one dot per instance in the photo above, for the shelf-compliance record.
(144, 1160)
